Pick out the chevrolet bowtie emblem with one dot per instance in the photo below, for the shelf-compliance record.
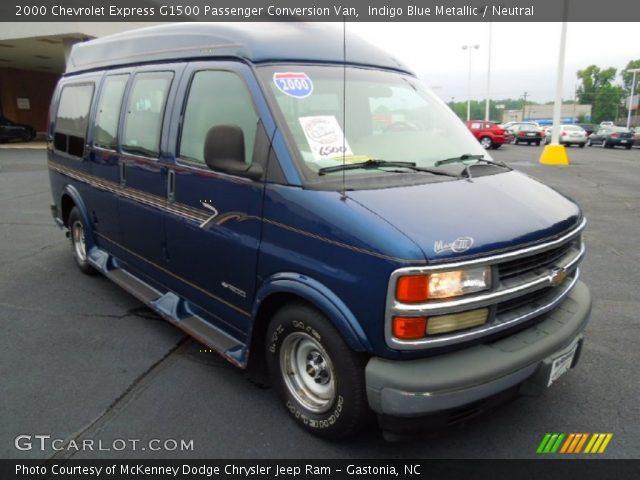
(557, 276)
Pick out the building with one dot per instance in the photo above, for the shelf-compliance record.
(543, 114)
(32, 58)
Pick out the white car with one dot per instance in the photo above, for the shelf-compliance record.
(569, 135)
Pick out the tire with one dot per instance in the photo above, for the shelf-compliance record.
(627, 147)
(496, 146)
(538, 143)
(581, 145)
(486, 143)
(604, 144)
(318, 377)
(589, 143)
(77, 234)
(26, 137)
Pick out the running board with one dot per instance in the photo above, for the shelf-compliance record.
(169, 306)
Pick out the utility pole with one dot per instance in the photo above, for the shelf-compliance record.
(524, 104)
(470, 48)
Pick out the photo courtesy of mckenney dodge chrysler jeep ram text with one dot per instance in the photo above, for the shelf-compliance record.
(326, 220)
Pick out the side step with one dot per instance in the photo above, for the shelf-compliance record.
(169, 306)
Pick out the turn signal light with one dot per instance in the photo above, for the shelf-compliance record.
(412, 288)
(409, 328)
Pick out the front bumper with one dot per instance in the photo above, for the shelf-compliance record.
(412, 388)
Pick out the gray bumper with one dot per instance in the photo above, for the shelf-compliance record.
(420, 387)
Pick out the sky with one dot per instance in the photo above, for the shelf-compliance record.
(524, 56)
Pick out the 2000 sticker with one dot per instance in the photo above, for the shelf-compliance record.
(294, 84)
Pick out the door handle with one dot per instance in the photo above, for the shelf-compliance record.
(171, 185)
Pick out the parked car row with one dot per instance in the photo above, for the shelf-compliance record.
(493, 135)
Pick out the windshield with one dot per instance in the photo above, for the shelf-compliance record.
(374, 115)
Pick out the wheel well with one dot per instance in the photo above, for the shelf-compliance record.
(257, 361)
(66, 205)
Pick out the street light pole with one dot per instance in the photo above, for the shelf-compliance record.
(470, 48)
(486, 108)
(633, 84)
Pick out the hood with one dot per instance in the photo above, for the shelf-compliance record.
(463, 219)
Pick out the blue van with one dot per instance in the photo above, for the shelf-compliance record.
(317, 216)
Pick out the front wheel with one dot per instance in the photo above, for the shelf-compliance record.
(318, 377)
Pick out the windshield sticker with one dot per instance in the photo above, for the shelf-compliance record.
(325, 137)
(293, 84)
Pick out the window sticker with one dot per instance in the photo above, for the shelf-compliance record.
(293, 84)
(325, 137)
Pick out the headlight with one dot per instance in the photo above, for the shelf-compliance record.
(438, 285)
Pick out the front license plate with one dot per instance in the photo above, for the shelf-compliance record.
(561, 364)
(623, 141)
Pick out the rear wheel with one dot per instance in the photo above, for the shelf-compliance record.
(319, 378)
(78, 235)
(582, 145)
(538, 143)
(486, 143)
(628, 147)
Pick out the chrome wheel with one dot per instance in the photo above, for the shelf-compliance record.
(79, 245)
(486, 143)
(308, 372)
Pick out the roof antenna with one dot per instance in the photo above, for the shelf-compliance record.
(343, 195)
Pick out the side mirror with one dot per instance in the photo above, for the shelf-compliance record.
(224, 152)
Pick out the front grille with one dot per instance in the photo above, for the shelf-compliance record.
(539, 261)
(533, 299)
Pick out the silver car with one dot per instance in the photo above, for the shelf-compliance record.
(569, 135)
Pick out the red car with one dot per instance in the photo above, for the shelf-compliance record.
(489, 134)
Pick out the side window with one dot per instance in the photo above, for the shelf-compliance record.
(476, 126)
(72, 119)
(216, 98)
(106, 127)
(145, 111)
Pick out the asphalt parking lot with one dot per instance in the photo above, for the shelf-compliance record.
(80, 359)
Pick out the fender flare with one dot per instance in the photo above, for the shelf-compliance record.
(321, 297)
(71, 191)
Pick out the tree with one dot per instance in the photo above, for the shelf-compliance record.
(596, 89)
(627, 76)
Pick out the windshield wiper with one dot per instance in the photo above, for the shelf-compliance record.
(376, 163)
(468, 156)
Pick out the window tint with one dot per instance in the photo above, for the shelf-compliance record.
(106, 129)
(145, 111)
(476, 125)
(72, 119)
(216, 98)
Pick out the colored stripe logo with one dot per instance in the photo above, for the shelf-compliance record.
(573, 443)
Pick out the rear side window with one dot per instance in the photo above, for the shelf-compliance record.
(216, 98)
(145, 111)
(72, 119)
(106, 129)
